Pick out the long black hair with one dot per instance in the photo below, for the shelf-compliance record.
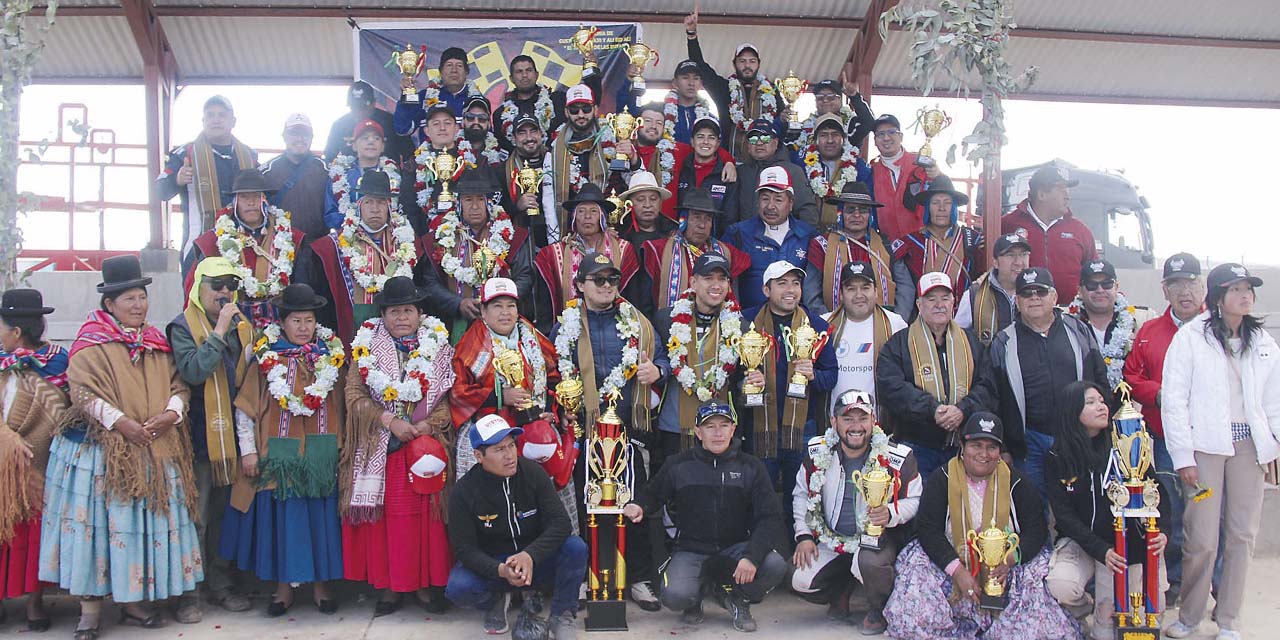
(1216, 327)
(1078, 454)
(32, 328)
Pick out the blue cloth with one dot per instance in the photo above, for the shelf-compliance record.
(411, 119)
(1038, 445)
(930, 459)
(334, 211)
(748, 236)
(294, 540)
(564, 571)
(92, 546)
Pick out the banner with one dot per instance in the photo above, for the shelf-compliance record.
(490, 46)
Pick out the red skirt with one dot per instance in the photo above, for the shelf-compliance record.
(20, 560)
(408, 549)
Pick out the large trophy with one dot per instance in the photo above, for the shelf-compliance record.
(790, 89)
(752, 348)
(529, 179)
(570, 393)
(584, 41)
(1134, 495)
(410, 64)
(876, 487)
(992, 546)
(931, 122)
(446, 168)
(510, 365)
(608, 491)
(624, 126)
(640, 54)
(804, 344)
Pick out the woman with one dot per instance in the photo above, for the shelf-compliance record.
(289, 414)
(120, 489)
(943, 244)
(1218, 404)
(1076, 480)
(973, 492)
(33, 401)
(394, 464)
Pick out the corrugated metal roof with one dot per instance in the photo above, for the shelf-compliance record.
(806, 8)
(1221, 19)
(260, 48)
(88, 47)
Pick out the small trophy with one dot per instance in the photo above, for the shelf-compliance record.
(790, 89)
(410, 64)
(621, 209)
(640, 54)
(583, 41)
(624, 126)
(876, 488)
(483, 260)
(992, 546)
(510, 365)
(529, 180)
(569, 393)
(445, 167)
(753, 347)
(804, 344)
(931, 122)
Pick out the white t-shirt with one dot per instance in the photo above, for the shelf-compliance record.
(855, 356)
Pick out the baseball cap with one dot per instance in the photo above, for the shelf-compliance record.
(710, 261)
(497, 288)
(216, 267)
(830, 120)
(737, 51)
(826, 85)
(775, 179)
(983, 424)
(705, 121)
(761, 126)
(1008, 241)
(593, 263)
(1034, 278)
(366, 125)
(428, 462)
(854, 399)
(297, 121)
(524, 118)
(477, 98)
(440, 107)
(711, 409)
(1049, 175)
(933, 280)
(579, 93)
(857, 269)
(779, 269)
(1181, 265)
(360, 92)
(887, 118)
(490, 430)
(542, 444)
(687, 66)
(1229, 273)
(1097, 268)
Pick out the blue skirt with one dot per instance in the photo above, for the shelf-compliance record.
(94, 547)
(295, 540)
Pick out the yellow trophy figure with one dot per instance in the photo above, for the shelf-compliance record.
(445, 167)
(624, 126)
(790, 89)
(931, 121)
(641, 54)
(621, 209)
(529, 180)
(804, 344)
(876, 488)
(410, 64)
(584, 42)
(993, 545)
(510, 365)
(569, 393)
(752, 348)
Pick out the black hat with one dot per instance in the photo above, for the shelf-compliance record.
(705, 122)
(826, 85)
(374, 184)
(454, 53)
(983, 424)
(523, 118)
(1229, 273)
(1049, 175)
(1181, 265)
(121, 273)
(687, 66)
(593, 263)
(1008, 241)
(698, 199)
(297, 297)
(23, 302)
(711, 261)
(589, 193)
(360, 92)
(1034, 278)
(399, 290)
(477, 98)
(854, 192)
(439, 107)
(857, 269)
(1097, 268)
(250, 181)
(762, 125)
(941, 184)
(473, 181)
(887, 118)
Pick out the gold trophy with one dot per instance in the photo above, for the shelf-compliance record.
(621, 209)
(483, 259)
(410, 64)
(529, 180)
(510, 365)
(753, 347)
(444, 166)
(790, 89)
(993, 545)
(931, 122)
(624, 126)
(876, 488)
(583, 41)
(608, 491)
(804, 344)
(640, 54)
(569, 393)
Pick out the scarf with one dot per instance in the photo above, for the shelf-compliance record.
(562, 154)
(38, 406)
(102, 328)
(924, 357)
(944, 258)
(204, 192)
(986, 309)
(49, 361)
(640, 412)
(674, 268)
(795, 411)
(839, 252)
(707, 350)
(996, 507)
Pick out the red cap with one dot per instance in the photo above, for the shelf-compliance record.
(366, 125)
(541, 443)
(428, 461)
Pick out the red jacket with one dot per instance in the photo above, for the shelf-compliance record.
(1144, 368)
(1063, 248)
(894, 219)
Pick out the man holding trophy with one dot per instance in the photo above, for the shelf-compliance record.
(853, 495)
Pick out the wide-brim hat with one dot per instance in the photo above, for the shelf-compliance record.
(374, 183)
(250, 181)
(472, 182)
(589, 193)
(23, 302)
(942, 184)
(854, 192)
(399, 290)
(644, 181)
(121, 273)
(298, 297)
(698, 199)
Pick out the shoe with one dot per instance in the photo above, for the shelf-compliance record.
(326, 606)
(387, 607)
(230, 600)
(874, 624)
(564, 626)
(495, 619)
(153, 621)
(741, 611)
(86, 634)
(838, 606)
(277, 608)
(188, 610)
(1228, 634)
(693, 615)
(438, 604)
(39, 625)
(1179, 630)
(642, 594)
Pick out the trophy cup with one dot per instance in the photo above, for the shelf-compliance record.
(992, 546)
(569, 393)
(583, 41)
(410, 64)
(483, 260)
(640, 54)
(931, 122)
(608, 490)
(803, 343)
(510, 365)
(621, 209)
(529, 179)
(624, 126)
(1133, 495)
(790, 89)
(876, 488)
(445, 166)
(753, 347)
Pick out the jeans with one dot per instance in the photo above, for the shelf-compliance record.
(564, 570)
(929, 458)
(1167, 476)
(1038, 445)
(686, 572)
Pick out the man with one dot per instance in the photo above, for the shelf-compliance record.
(345, 171)
(576, 152)
(844, 99)
(860, 327)
(509, 531)
(201, 171)
(932, 377)
(723, 504)
(1144, 370)
(742, 97)
(830, 163)
(558, 263)
(442, 136)
(477, 128)
(850, 240)
(451, 91)
(1108, 313)
(529, 210)
(831, 522)
(1032, 360)
(893, 174)
(687, 106)
(988, 306)
(208, 350)
(943, 244)
(770, 236)
(763, 152)
(1059, 242)
(298, 179)
(646, 198)
(669, 261)
(361, 100)
(529, 97)
(704, 167)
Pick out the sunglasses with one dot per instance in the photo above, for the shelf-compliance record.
(230, 283)
(1093, 285)
(1036, 292)
(854, 397)
(759, 139)
(601, 281)
(478, 117)
(579, 109)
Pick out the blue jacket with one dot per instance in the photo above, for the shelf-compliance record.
(411, 119)
(748, 236)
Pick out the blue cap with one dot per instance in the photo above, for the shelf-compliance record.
(490, 430)
(710, 409)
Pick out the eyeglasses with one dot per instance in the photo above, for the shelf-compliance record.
(1182, 284)
(826, 97)
(579, 109)
(888, 133)
(759, 139)
(601, 281)
(1035, 292)
(228, 283)
(478, 117)
(1093, 285)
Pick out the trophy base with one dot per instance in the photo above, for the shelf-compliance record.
(797, 390)
(618, 164)
(993, 603)
(926, 162)
(1137, 633)
(793, 125)
(753, 399)
(638, 86)
(869, 542)
(606, 615)
(533, 211)
(443, 206)
(525, 416)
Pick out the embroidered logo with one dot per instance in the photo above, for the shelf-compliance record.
(1021, 232)
(1239, 271)
(488, 520)
(1176, 264)
(1096, 267)
(986, 425)
(1030, 277)
(734, 475)
(1068, 235)
(857, 268)
(602, 259)
(926, 371)
(800, 253)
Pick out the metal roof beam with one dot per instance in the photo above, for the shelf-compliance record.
(160, 76)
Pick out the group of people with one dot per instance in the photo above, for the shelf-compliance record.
(364, 383)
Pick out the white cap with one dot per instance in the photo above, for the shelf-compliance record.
(933, 280)
(579, 93)
(775, 179)
(779, 269)
(498, 287)
(737, 51)
(297, 120)
(428, 467)
(537, 452)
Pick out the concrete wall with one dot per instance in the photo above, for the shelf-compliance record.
(74, 294)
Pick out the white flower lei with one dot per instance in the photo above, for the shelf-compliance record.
(1116, 349)
(543, 110)
(823, 458)
(501, 231)
(425, 157)
(682, 336)
(431, 94)
(667, 144)
(327, 368)
(402, 260)
(342, 164)
(806, 128)
(231, 245)
(628, 325)
(606, 137)
(491, 153)
(768, 102)
(846, 169)
(533, 353)
(432, 337)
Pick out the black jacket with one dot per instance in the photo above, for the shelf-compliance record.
(491, 517)
(1026, 516)
(717, 501)
(398, 148)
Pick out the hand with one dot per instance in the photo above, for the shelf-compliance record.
(729, 173)
(157, 425)
(806, 553)
(226, 319)
(949, 417)
(745, 573)
(633, 71)
(933, 171)
(185, 172)
(469, 308)
(850, 88)
(521, 564)
(403, 431)
(879, 516)
(647, 372)
(627, 148)
(754, 378)
(515, 396)
(590, 59)
(1158, 543)
(1115, 562)
(407, 83)
(804, 367)
(1001, 572)
(1190, 477)
(633, 512)
(570, 420)
(527, 201)
(691, 22)
(786, 113)
(964, 584)
(249, 465)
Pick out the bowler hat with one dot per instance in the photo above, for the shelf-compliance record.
(374, 184)
(121, 273)
(297, 297)
(698, 199)
(250, 181)
(589, 193)
(397, 291)
(473, 181)
(941, 184)
(854, 192)
(23, 302)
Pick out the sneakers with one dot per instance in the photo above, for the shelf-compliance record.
(564, 626)
(1179, 630)
(230, 600)
(693, 615)
(495, 619)
(874, 624)
(1228, 634)
(740, 610)
(642, 594)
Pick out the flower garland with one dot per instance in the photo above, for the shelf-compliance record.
(543, 109)
(231, 245)
(501, 232)
(667, 144)
(607, 138)
(532, 352)
(425, 157)
(846, 170)
(823, 457)
(768, 102)
(400, 263)
(628, 325)
(327, 367)
(431, 94)
(1117, 347)
(806, 128)
(341, 166)
(432, 336)
(682, 336)
(491, 153)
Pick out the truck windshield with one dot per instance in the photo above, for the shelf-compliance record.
(1124, 229)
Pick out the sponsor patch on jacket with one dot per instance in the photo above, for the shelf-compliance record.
(718, 188)
(487, 520)
(529, 514)
(1068, 235)
(897, 454)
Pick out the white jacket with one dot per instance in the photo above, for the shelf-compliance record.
(1194, 405)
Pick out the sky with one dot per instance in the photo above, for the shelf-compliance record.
(1193, 164)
